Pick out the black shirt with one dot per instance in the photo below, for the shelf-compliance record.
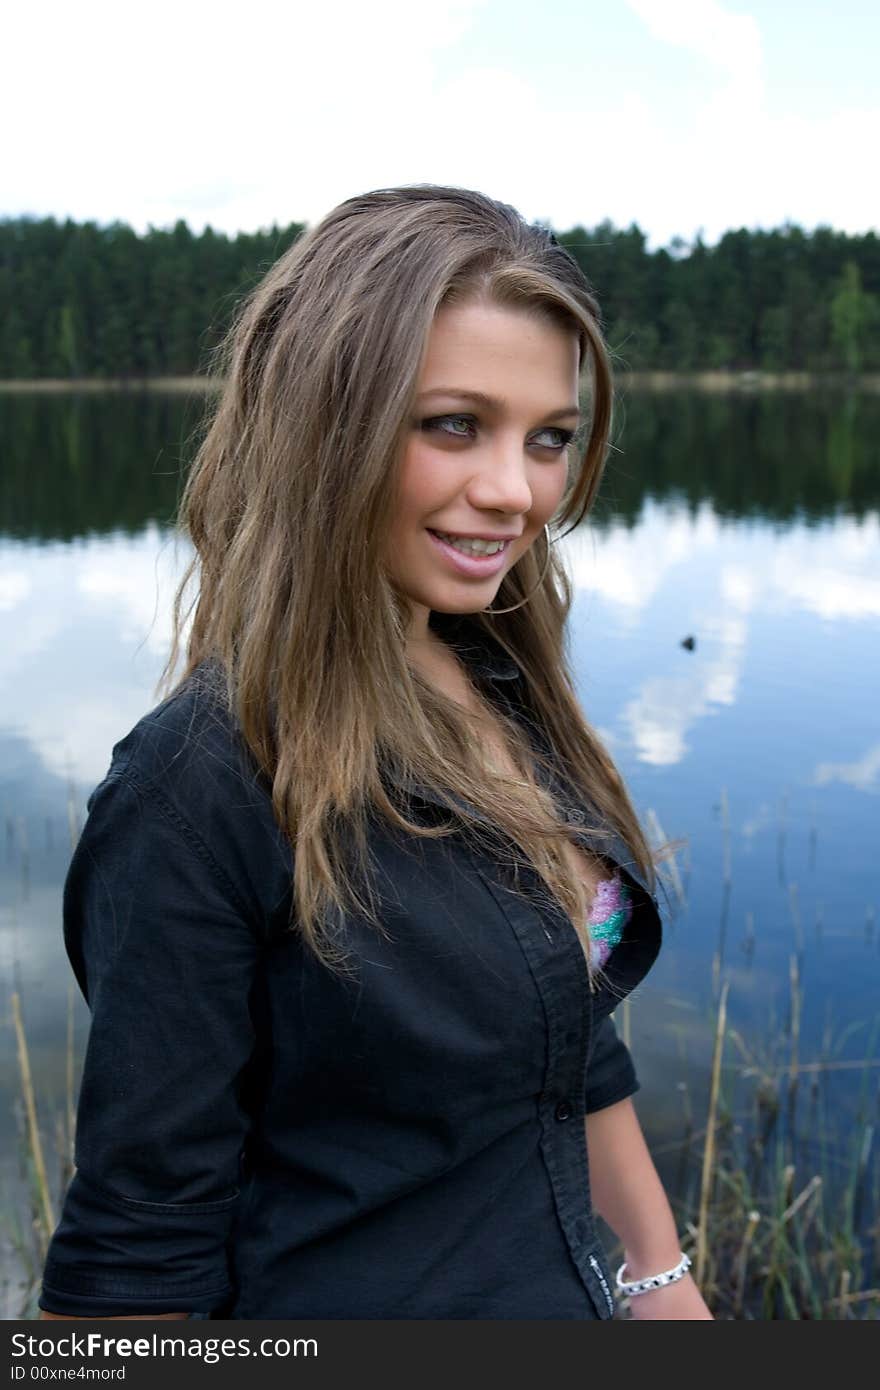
(257, 1138)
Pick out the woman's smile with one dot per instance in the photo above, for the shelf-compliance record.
(468, 563)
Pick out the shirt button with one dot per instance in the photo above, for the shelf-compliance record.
(563, 1110)
(575, 817)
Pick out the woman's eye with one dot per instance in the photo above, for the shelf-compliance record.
(442, 420)
(445, 424)
(564, 438)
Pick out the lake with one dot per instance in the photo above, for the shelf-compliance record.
(726, 643)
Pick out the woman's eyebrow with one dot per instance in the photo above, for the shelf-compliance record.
(493, 403)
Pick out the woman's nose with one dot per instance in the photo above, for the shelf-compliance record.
(502, 481)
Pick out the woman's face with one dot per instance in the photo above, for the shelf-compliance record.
(481, 468)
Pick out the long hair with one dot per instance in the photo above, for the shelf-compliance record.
(288, 503)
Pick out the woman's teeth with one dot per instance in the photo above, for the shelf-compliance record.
(471, 547)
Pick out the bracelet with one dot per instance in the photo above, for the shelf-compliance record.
(654, 1281)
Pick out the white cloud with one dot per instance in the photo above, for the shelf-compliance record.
(831, 572)
(659, 718)
(242, 116)
(614, 562)
(35, 623)
(828, 570)
(864, 774)
(738, 146)
(738, 588)
(15, 586)
(135, 585)
(831, 593)
(100, 612)
(728, 40)
(38, 630)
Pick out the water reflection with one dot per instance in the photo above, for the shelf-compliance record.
(772, 456)
(76, 466)
(80, 465)
(88, 628)
(864, 773)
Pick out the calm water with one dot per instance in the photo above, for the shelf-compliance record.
(750, 524)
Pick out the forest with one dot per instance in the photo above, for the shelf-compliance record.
(83, 300)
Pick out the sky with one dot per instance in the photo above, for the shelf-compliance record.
(687, 117)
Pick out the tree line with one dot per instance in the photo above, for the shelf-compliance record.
(83, 300)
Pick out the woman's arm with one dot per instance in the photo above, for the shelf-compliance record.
(166, 954)
(628, 1194)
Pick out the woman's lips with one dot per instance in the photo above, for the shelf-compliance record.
(476, 566)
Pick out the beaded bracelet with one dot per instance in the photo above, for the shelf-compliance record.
(654, 1281)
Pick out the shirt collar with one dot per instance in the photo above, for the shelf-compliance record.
(478, 649)
(484, 656)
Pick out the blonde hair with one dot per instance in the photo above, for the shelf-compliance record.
(288, 504)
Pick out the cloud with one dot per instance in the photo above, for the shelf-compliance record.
(133, 583)
(36, 621)
(827, 570)
(832, 594)
(611, 562)
(738, 146)
(15, 586)
(863, 774)
(666, 708)
(724, 39)
(100, 612)
(242, 116)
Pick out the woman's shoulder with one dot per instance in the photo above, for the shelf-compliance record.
(188, 755)
(189, 733)
(185, 765)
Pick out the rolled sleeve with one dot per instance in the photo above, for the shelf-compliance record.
(165, 956)
(611, 1075)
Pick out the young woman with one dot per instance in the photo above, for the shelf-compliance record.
(354, 904)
